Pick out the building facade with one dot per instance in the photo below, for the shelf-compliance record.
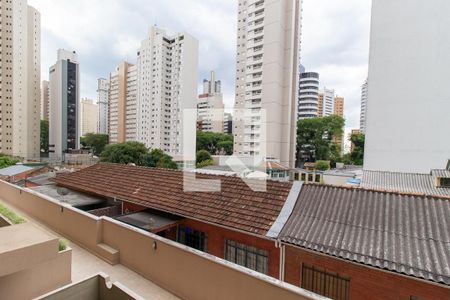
(362, 118)
(20, 72)
(267, 79)
(167, 69)
(228, 123)
(64, 123)
(45, 100)
(102, 102)
(308, 98)
(326, 102)
(407, 122)
(210, 107)
(89, 114)
(122, 104)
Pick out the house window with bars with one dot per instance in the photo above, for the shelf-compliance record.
(325, 283)
(247, 256)
(192, 238)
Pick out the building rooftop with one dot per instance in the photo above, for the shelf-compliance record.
(149, 220)
(236, 205)
(14, 170)
(423, 184)
(408, 234)
(71, 197)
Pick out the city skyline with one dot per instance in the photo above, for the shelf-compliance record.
(327, 49)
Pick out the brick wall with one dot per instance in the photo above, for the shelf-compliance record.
(365, 282)
(129, 208)
(216, 242)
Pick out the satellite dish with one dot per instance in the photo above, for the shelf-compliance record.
(62, 191)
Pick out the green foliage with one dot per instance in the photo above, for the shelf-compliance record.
(11, 215)
(44, 136)
(6, 161)
(96, 142)
(125, 153)
(315, 138)
(202, 155)
(205, 163)
(357, 155)
(215, 143)
(322, 165)
(62, 245)
(137, 153)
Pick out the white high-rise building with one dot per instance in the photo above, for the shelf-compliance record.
(362, 118)
(167, 85)
(267, 79)
(64, 123)
(122, 103)
(210, 107)
(20, 73)
(308, 98)
(326, 103)
(102, 102)
(408, 105)
(89, 115)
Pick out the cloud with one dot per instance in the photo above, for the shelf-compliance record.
(105, 32)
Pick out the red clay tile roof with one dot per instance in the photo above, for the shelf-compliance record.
(236, 206)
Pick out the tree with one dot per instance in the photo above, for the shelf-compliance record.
(215, 143)
(96, 142)
(137, 153)
(322, 165)
(6, 161)
(44, 136)
(202, 156)
(357, 155)
(315, 138)
(125, 153)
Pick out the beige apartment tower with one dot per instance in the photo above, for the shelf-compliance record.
(210, 107)
(20, 73)
(89, 116)
(45, 98)
(267, 79)
(122, 113)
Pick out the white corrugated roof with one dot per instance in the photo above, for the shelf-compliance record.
(14, 170)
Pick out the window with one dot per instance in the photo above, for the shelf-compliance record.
(192, 238)
(445, 182)
(246, 256)
(328, 284)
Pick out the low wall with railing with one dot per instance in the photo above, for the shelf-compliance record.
(185, 272)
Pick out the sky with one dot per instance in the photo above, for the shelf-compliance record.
(335, 39)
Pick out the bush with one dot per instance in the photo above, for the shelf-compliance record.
(202, 156)
(205, 163)
(62, 245)
(11, 215)
(322, 165)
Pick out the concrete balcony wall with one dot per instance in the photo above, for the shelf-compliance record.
(185, 272)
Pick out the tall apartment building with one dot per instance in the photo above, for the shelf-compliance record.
(167, 86)
(89, 115)
(308, 98)
(267, 79)
(64, 123)
(339, 111)
(408, 105)
(362, 120)
(210, 107)
(20, 73)
(102, 102)
(227, 123)
(45, 95)
(339, 106)
(326, 103)
(122, 103)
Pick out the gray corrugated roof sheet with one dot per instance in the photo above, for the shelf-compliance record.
(440, 173)
(407, 234)
(14, 170)
(403, 182)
